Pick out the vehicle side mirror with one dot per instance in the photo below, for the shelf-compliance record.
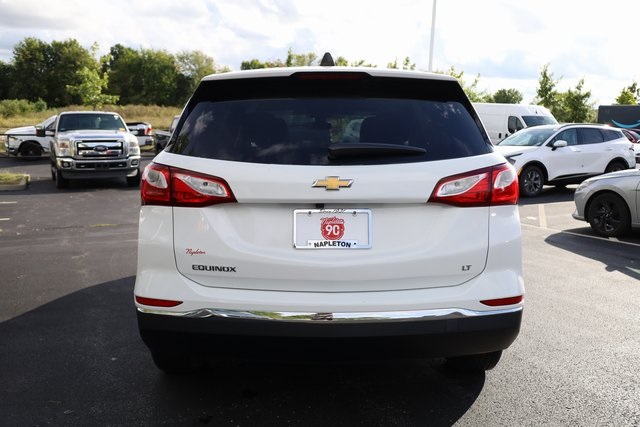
(40, 131)
(559, 144)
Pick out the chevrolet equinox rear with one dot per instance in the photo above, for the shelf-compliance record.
(329, 211)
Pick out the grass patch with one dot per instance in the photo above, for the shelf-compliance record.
(8, 178)
(159, 117)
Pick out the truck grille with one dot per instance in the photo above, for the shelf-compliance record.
(100, 149)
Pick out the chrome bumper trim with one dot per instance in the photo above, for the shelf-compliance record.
(437, 314)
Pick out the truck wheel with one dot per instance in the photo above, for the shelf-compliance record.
(31, 150)
(134, 181)
(61, 182)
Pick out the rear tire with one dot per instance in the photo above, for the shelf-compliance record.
(531, 181)
(609, 215)
(614, 167)
(474, 362)
(30, 150)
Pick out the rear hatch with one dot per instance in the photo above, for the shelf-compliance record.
(311, 202)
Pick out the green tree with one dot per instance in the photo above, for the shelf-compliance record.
(31, 59)
(123, 67)
(148, 77)
(406, 64)
(546, 93)
(7, 82)
(508, 96)
(193, 66)
(254, 64)
(300, 59)
(159, 72)
(46, 70)
(67, 57)
(472, 91)
(575, 105)
(90, 88)
(629, 95)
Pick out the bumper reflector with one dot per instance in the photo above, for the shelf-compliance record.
(157, 302)
(503, 301)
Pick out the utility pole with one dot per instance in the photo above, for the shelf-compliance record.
(433, 35)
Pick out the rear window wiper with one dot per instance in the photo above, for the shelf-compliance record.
(344, 150)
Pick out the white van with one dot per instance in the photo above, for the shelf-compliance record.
(501, 120)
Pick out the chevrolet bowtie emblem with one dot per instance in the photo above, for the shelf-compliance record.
(333, 183)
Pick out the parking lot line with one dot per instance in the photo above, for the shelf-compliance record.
(542, 216)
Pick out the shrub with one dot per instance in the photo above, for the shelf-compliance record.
(15, 107)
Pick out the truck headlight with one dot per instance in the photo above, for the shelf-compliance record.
(63, 148)
(134, 147)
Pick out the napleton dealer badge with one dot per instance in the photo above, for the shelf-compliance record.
(332, 228)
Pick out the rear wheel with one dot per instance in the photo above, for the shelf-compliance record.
(531, 181)
(609, 215)
(474, 362)
(30, 149)
(614, 167)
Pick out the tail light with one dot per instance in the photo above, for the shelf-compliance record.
(169, 186)
(148, 130)
(492, 186)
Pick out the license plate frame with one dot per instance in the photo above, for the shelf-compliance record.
(345, 229)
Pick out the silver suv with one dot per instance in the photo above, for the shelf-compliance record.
(272, 224)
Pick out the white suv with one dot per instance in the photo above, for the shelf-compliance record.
(266, 229)
(565, 154)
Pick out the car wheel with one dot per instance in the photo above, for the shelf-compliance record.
(531, 181)
(30, 150)
(609, 215)
(614, 167)
(474, 362)
(61, 182)
(134, 181)
(175, 363)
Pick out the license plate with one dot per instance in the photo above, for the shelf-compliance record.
(332, 228)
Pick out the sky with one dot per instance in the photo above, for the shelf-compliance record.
(504, 43)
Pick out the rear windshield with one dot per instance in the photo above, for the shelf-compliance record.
(321, 121)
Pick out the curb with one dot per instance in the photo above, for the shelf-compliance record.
(24, 183)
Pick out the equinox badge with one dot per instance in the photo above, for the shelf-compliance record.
(332, 183)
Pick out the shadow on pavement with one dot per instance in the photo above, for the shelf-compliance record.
(550, 195)
(79, 361)
(623, 256)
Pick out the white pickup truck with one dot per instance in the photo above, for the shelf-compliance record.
(91, 144)
(162, 137)
(24, 142)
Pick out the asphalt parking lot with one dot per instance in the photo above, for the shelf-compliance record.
(72, 356)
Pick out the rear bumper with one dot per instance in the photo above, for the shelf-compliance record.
(438, 334)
